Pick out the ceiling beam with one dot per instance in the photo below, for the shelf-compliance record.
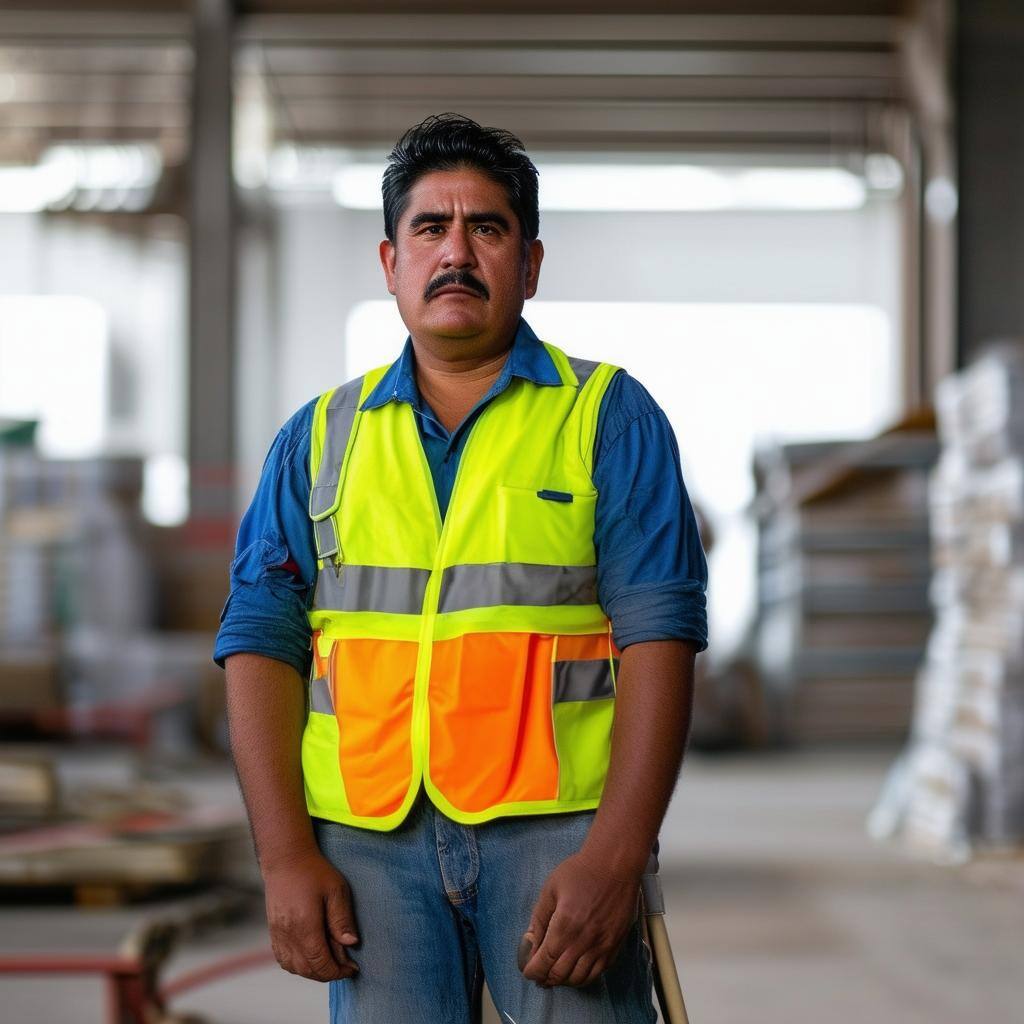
(574, 60)
(423, 29)
(439, 88)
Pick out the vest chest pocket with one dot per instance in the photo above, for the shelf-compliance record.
(552, 527)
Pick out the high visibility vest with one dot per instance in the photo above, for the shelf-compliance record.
(470, 655)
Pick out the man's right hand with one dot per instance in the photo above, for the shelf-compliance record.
(309, 913)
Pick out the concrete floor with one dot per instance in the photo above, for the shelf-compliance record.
(781, 911)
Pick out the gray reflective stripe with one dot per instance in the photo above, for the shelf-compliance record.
(341, 412)
(370, 588)
(320, 697)
(583, 368)
(516, 583)
(582, 680)
(326, 541)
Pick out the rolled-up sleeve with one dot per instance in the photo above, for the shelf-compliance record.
(274, 567)
(652, 572)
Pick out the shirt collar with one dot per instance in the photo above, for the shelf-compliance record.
(528, 359)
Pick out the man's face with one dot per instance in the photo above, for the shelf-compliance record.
(458, 267)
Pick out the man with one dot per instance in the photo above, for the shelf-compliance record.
(482, 553)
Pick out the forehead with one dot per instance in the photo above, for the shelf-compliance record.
(464, 189)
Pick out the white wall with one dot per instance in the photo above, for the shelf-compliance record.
(138, 277)
(327, 264)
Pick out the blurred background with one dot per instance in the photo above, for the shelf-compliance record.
(800, 224)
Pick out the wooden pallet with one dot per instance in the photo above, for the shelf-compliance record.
(103, 863)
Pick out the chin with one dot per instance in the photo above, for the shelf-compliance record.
(455, 326)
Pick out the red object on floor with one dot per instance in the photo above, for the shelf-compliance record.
(133, 995)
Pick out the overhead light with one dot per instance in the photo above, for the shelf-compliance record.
(54, 367)
(83, 176)
(941, 200)
(29, 189)
(165, 490)
(682, 188)
(797, 188)
(307, 168)
(357, 186)
(654, 187)
(883, 172)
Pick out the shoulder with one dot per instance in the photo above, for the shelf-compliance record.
(347, 395)
(624, 398)
(297, 426)
(625, 403)
(291, 445)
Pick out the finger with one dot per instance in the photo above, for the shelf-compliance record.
(344, 959)
(281, 956)
(316, 961)
(285, 951)
(597, 968)
(341, 928)
(547, 954)
(525, 951)
(341, 921)
(313, 954)
(301, 947)
(561, 970)
(581, 972)
(538, 926)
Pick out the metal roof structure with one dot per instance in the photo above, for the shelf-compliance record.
(729, 76)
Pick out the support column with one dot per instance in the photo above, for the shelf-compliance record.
(930, 199)
(211, 374)
(990, 119)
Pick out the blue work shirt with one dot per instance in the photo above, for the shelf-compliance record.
(651, 568)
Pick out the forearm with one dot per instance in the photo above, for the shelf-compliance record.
(654, 701)
(266, 716)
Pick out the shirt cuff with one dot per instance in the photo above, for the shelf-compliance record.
(660, 612)
(247, 627)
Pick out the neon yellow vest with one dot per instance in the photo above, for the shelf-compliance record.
(472, 655)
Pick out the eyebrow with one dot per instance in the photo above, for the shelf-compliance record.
(487, 217)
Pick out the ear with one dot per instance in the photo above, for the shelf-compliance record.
(387, 261)
(534, 256)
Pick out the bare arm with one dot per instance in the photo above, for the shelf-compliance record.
(654, 702)
(309, 909)
(589, 901)
(266, 713)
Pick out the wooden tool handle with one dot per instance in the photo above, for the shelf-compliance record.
(670, 990)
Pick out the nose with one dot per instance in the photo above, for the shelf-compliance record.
(458, 250)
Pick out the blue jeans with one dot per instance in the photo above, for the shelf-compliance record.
(442, 906)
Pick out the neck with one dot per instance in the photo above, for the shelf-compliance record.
(453, 380)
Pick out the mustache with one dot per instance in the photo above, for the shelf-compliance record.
(462, 278)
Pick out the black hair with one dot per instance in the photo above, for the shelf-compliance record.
(443, 142)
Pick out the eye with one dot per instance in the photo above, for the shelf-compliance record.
(487, 229)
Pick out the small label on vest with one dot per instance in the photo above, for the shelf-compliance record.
(555, 495)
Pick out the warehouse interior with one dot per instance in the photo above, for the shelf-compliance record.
(807, 211)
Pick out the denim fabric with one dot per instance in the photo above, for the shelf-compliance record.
(651, 569)
(441, 906)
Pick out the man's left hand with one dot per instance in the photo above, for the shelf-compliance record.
(578, 923)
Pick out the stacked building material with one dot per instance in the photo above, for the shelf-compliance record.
(961, 780)
(28, 591)
(69, 549)
(70, 559)
(94, 826)
(843, 582)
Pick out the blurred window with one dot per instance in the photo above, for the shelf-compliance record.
(54, 368)
(726, 374)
